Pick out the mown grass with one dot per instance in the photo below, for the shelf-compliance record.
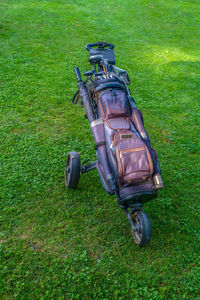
(62, 244)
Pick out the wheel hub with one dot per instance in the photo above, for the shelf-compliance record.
(137, 233)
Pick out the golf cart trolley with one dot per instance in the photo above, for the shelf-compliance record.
(126, 162)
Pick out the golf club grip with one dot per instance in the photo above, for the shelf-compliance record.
(77, 73)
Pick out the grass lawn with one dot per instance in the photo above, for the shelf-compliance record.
(61, 244)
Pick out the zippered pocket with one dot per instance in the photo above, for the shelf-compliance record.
(133, 158)
(113, 104)
(130, 150)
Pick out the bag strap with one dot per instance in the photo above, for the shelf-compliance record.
(77, 94)
(76, 98)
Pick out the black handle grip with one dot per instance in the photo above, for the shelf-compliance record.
(77, 73)
(101, 45)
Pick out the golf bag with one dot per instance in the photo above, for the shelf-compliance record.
(127, 164)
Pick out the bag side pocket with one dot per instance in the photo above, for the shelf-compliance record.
(133, 158)
(113, 104)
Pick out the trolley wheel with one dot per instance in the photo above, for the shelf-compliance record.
(73, 169)
(142, 234)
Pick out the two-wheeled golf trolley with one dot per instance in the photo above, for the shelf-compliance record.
(126, 162)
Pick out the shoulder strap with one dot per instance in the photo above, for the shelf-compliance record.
(77, 94)
(75, 98)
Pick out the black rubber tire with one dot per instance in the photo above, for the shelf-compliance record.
(143, 234)
(72, 170)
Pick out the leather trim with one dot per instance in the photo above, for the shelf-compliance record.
(150, 160)
(144, 135)
(119, 167)
(101, 108)
(100, 144)
(96, 122)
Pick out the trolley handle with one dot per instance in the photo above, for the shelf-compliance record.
(101, 45)
(78, 75)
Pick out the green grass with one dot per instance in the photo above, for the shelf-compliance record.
(63, 244)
